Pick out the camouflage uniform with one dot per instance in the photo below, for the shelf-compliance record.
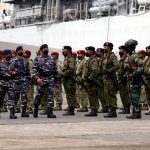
(146, 78)
(110, 66)
(91, 88)
(68, 71)
(123, 88)
(81, 94)
(44, 68)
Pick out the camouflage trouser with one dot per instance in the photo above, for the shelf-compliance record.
(102, 97)
(70, 89)
(49, 85)
(58, 95)
(8, 87)
(21, 89)
(44, 99)
(143, 95)
(124, 94)
(110, 93)
(147, 90)
(81, 97)
(30, 96)
(134, 95)
(93, 96)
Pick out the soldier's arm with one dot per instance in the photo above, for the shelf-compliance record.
(35, 69)
(72, 68)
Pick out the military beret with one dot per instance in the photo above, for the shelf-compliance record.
(81, 52)
(74, 53)
(90, 48)
(7, 51)
(13, 51)
(43, 46)
(131, 42)
(108, 44)
(54, 53)
(147, 47)
(141, 52)
(1, 51)
(19, 48)
(101, 50)
(27, 52)
(67, 47)
(123, 47)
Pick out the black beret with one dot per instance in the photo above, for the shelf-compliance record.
(19, 48)
(43, 46)
(147, 47)
(90, 48)
(67, 47)
(108, 44)
(101, 50)
(6, 52)
(123, 47)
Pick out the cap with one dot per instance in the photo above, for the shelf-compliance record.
(131, 42)
(43, 46)
(101, 50)
(147, 47)
(90, 48)
(74, 53)
(7, 51)
(54, 53)
(81, 52)
(27, 52)
(108, 44)
(19, 48)
(141, 52)
(67, 47)
(122, 47)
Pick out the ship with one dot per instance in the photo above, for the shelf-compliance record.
(78, 23)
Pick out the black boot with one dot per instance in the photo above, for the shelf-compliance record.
(111, 114)
(147, 113)
(93, 113)
(134, 116)
(12, 114)
(24, 114)
(70, 112)
(125, 111)
(50, 113)
(104, 110)
(35, 112)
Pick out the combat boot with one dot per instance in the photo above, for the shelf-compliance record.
(147, 113)
(104, 110)
(70, 112)
(83, 109)
(17, 110)
(145, 107)
(77, 105)
(50, 113)
(125, 111)
(35, 112)
(24, 114)
(134, 116)
(93, 113)
(111, 114)
(58, 107)
(66, 109)
(12, 114)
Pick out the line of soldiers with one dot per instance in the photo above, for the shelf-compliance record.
(90, 82)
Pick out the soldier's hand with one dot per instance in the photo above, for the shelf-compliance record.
(39, 81)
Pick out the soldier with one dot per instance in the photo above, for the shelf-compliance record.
(110, 66)
(14, 54)
(81, 95)
(89, 77)
(7, 83)
(146, 76)
(45, 76)
(27, 55)
(134, 71)
(122, 81)
(58, 90)
(22, 78)
(100, 55)
(68, 72)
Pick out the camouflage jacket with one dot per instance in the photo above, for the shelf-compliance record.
(146, 67)
(80, 67)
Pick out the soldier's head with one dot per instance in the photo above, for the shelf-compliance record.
(108, 46)
(90, 50)
(131, 46)
(81, 54)
(27, 54)
(55, 55)
(100, 52)
(122, 51)
(74, 54)
(142, 54)
(14, 54)
(147, 51)
(19, 51)
(44, 49)
(7, 54)
(67, 50)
